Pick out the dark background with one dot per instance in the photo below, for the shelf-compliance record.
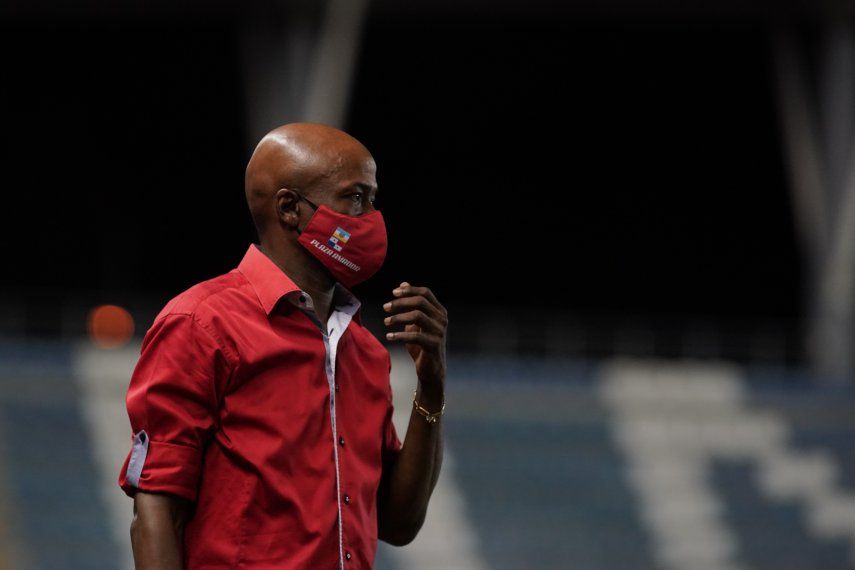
(529, 165)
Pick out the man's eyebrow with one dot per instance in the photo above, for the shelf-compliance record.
(361, 185)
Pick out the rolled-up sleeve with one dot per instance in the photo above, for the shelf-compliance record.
(173, 406)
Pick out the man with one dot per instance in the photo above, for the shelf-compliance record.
(261, 409)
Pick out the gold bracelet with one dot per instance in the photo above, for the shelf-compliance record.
(429, 417)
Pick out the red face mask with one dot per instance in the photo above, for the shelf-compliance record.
(352, 248)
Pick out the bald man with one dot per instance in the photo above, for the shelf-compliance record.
(261, 408)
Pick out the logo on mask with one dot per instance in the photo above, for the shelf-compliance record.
(338, 239)
(325, 238)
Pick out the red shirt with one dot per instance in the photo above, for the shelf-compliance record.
(277, 428)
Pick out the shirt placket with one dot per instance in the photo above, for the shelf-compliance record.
(338, 323)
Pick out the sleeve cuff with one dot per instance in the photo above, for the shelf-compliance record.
(157, 466)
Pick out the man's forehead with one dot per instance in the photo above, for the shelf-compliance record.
(362, 167)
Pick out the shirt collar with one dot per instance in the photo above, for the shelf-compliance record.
(271, 284)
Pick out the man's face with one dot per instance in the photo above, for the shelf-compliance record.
(350, 184)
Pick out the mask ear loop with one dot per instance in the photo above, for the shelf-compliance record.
(312, 204)
(301, 197)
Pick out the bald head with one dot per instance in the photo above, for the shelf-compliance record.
(312, 159)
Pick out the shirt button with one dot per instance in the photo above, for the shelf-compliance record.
(347, 499)
(336, 387)
(341, 439)
(347, 555)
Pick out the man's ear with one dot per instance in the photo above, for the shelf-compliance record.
(288, 207)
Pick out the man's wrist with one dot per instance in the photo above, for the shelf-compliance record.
(431, 417)
(430, 396)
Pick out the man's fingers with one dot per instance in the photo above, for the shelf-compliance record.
(407, 290)
(419, 302)
(423, 339)
(416, 317)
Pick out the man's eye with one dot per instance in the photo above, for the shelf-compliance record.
(358, 196)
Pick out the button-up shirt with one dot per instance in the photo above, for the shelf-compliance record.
(276, 426)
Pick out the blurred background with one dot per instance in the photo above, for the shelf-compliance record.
(640, 216)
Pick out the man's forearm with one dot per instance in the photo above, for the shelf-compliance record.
(157, 532)
(404, 493)
(434, 404)
(414, 474)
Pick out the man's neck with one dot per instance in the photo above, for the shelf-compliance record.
(306, 272)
